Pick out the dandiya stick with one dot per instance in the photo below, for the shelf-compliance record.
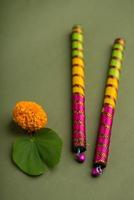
(108, 108)
(78, 95)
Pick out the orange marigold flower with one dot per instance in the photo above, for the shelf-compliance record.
(30, 116)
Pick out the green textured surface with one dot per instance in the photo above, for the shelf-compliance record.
(77, 36)
(117, 53)
(115, 62)
(77, 53)
(114, 72)
(35, 65)
(77, 45)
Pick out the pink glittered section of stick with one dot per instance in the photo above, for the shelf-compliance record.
(78, 115)
(104, 135)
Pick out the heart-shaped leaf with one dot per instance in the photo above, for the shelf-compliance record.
(49, 146)
(26, 156)
(32, 154)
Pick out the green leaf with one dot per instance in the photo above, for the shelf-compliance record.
(49, 146)
(26, 156)
(32, 154)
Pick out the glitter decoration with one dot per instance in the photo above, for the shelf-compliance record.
(108, 109)
(78, 94)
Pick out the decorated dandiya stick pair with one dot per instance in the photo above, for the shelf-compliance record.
(78, 95)
(78, 102)
(108, 108)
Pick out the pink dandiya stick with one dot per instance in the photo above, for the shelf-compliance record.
(78, 95)
(108, 108)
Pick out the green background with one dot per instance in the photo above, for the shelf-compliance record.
(35, 65)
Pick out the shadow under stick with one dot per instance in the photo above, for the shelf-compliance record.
(108, 108)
